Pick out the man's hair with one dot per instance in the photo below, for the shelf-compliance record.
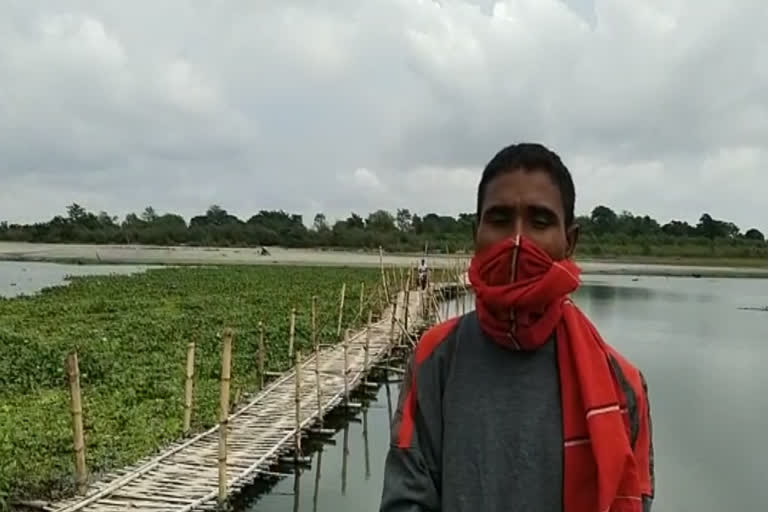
(529, 157)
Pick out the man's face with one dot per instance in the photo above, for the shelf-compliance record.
(525, 202)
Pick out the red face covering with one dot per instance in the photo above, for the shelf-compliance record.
(520, 292)
(521, 301)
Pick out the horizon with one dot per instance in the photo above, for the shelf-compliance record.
(308, 221)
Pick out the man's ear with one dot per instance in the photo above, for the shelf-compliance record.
(474, 230)
(572, 238)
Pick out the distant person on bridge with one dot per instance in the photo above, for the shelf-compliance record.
(423, 273)
(520, 406)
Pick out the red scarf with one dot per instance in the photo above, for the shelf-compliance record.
(521, 300)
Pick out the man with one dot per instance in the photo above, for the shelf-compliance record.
(520, 405)
(423, 274)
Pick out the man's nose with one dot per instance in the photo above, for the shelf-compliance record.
(518, 226)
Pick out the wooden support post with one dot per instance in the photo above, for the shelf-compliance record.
(226, 377)
(313, 322)
(435, 310)
(189, 387)
(346, 367)
(261, 355)
(345, 455)
(292, 333)
(81, 474)
(365, 441)
(394, 319)
(297, 435)
(367, 356)
(362, 296)
(341, 309)
(296, 487)
(318, 382)
(383, 274)
(316, 345)
(317, 478)
(407, 298)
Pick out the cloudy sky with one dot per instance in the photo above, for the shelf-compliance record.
(657, 106)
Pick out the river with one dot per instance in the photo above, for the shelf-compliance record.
(24, 278)
(702, 355)
(704, 361)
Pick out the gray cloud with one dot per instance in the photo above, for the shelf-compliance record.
(660, 107)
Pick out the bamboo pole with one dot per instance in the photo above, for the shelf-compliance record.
(292, 333)
(313, 322)
(316, 345)
(436, 309)
(394, 319)
(346, 367)
(407, 297)
(296, 488)
(189, 387)
(261, 355)
(366, 448)
(366, 361)
(297, 398)
(226, 375)
(317, 479)
(383, 274)
(344, 460)
(318, 382)
(362, 295)
(81, 472)
(341, 308)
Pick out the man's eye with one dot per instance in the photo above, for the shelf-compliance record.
(498, 219)
(541, 221)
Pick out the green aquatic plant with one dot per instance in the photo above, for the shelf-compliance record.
(131, 335)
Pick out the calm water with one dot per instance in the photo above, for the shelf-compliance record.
(19, 278)
(704, 361)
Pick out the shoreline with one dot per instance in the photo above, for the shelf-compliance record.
(185, 255)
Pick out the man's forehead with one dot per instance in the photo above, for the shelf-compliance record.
(523, 186)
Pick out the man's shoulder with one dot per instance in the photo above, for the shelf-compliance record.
(616, 357)
(621, 360)
(433, 338)
(627, 370)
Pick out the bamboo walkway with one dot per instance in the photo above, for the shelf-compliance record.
(185, 476)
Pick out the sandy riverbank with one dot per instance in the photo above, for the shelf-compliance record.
(146, 255)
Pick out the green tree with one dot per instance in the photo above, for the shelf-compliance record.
(76, 213)
(404, 219)
(380, 220)
(320, 223)
(605, 232)
(678, 228)
(604, 220)
(149, 214)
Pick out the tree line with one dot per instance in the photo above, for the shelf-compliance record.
(604, 232)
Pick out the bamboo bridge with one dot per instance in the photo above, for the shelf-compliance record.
(191, 475)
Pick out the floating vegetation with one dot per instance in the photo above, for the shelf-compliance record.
(131, 334)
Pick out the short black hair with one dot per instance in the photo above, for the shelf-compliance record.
(530, 156)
